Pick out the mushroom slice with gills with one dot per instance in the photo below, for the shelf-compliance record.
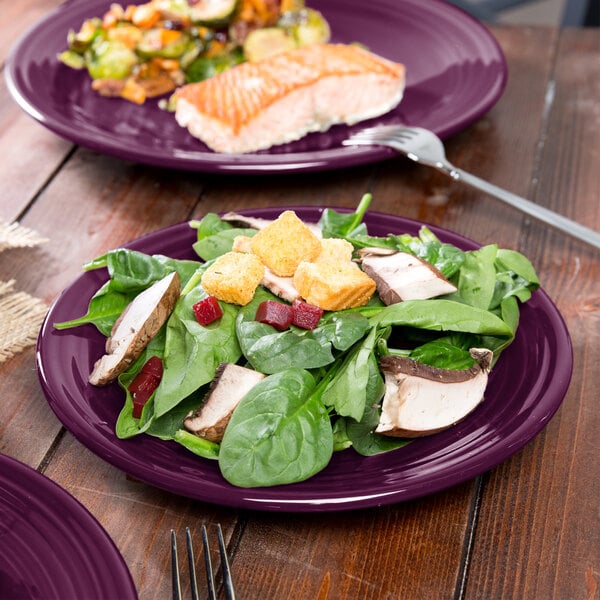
(421, 400)
(230, 384)
(135, 328)
(403, 276)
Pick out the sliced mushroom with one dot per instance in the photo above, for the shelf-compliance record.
(403, 276)
(280, 286)
(230, 385)
(421, 400)
(257, 223)
(244, 221)
(134, 329)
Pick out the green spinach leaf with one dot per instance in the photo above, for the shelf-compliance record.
(280, 433)
(336, 224)
(442, 315)
(346, 393)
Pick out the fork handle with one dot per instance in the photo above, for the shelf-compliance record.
(590, 236)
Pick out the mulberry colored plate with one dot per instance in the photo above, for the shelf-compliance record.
(455, 73)
(525, 389)
(50, 545)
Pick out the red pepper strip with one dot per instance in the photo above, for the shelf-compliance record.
(274, 313)
(145, 383)
(305, 315)
(207, 310)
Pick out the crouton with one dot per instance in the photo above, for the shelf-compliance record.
(333, 286)
(335, 250)
(285, 243)
(233, 277)
(241, 243)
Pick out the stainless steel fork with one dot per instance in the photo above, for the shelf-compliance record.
(423, 146)
(210, 580)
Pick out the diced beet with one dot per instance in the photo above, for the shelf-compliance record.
(153, 366)
(144, 384)
(207, 310)
(305, 315)
(274, 313)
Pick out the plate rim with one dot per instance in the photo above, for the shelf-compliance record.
(45, 489)
(281, 498)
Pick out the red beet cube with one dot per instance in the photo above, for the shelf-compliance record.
(144, 384)
(207, 310)
(153, 366)
(305, 315)
(277, 314)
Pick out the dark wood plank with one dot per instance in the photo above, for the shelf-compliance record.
(404, 551)
(17, 17)
(30, 155)
(537, 536)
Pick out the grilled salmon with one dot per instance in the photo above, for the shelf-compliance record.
(283, 97)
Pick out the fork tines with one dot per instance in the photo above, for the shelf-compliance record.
(227, 578)
(380, 133)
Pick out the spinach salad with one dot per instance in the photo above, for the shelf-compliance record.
(323, 387)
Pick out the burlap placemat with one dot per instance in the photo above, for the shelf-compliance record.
(21, 315)
(14, 235)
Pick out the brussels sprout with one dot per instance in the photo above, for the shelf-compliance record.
(110, 60)
(165, 43)
(173, 9)
(81, 40)
(307, 26)
(213, 13)
(267, 41)
(205, 67)
(72, 59)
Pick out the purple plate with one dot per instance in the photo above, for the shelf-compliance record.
(50, 545)
(455, 73)
(526, 387)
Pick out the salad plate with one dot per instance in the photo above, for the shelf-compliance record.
(455, 73)
(50, 545)
(525, 389)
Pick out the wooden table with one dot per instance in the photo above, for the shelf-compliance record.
(530, 527)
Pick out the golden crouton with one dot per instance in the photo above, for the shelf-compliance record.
(241, 243)
(335, 250)
(233, 277)
(283, 244)
(333, 286)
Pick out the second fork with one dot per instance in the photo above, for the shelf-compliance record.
(210, 580)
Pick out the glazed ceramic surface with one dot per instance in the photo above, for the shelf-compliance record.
(50, 545)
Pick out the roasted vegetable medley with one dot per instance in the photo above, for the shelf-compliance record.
(145, 51)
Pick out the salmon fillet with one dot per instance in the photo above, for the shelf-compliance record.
(256, 105)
